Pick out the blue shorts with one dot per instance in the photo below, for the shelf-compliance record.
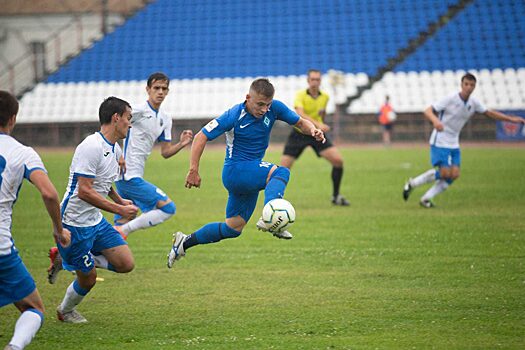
(445, 157)
(244, 180)
(16, 282)
(144, 195)
(88, 240)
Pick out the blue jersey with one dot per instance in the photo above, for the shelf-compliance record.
(247, 137)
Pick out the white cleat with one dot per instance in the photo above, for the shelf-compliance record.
(283, 235)
(261, 226)
(177, 248)
(72, 316)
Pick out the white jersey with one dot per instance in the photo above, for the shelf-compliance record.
(147, 126)
(16, 163)
(453, 112)
(95, 158)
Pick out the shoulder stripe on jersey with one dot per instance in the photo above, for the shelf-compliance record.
(71, 191)
(126, 143)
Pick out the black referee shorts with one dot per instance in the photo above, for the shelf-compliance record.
(297, 142)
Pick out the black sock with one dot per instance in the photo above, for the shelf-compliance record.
(337, 175)
(190, 241)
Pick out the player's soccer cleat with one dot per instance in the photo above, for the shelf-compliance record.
(283, 235)
(122, 234)
(340, 200)
(56, 265)
(177, 248)
(261, 226)
(407, 189)
(427, 203)
(72, 316)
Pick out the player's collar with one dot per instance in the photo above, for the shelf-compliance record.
(308, 93)
(461, 98)
(153, 109)
(109, 143)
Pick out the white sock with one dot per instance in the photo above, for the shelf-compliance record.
(151, 218)
(25, 329)
(101, 261)
(71, 299)
(439, 186)
(425, 178)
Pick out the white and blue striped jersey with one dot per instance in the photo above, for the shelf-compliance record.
(147, 126)
(454, 113)
(16, 163)
(95, 158)
(247, 137)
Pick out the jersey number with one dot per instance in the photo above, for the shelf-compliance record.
(2, 168)
(86, 260)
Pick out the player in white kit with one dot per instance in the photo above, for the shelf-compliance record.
(448, 116)
(94, 242)
(150, 125)
(18, 162)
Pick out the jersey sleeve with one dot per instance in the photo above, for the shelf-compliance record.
(220, 125)
(165, 136)
(440, 105)
(284, 113)
(85, 160)
(32, 162)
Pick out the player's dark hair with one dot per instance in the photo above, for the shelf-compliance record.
(8, 107)
(312, 70)
(110, 106)
(263, 86)
(156, 77)
(469, 76)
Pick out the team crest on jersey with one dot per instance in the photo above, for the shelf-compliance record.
(161, 122)
(266, 121)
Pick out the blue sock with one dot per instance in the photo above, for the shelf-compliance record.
(438, 174)
(210, 233)
(449, 181)
(277, 184)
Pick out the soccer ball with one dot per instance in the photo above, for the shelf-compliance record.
(278, 214)
(392, 116)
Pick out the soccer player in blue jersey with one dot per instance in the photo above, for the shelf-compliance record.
(448, 116)
(247, 127)
(18, 162)
(149, 125)
(94, 242)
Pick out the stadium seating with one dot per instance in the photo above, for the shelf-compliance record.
(212, 50)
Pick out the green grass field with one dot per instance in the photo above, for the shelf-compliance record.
(382, 274)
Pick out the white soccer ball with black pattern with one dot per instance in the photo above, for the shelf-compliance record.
(278, 214)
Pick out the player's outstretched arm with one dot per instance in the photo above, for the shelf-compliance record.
(167, 149)
(193, 178)
(50, 198)
(87, 193)
(431, 116)
(318, 125)
(308, 128)
(501, 116)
